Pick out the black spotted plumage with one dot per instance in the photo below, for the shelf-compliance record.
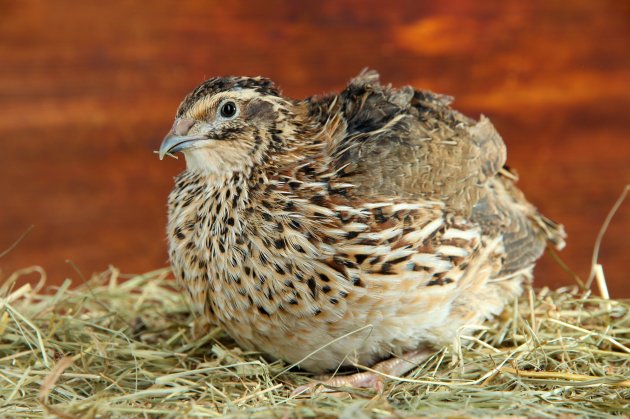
(345, 228)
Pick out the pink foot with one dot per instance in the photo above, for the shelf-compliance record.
(369, 379)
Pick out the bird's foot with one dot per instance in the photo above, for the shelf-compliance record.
(373, 379)
(358, 380)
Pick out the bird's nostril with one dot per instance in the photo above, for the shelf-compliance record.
(182, 126)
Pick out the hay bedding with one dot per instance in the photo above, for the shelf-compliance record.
(119, 346)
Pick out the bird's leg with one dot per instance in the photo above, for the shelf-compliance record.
(372, 379)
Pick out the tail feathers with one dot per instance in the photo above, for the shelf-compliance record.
(505, 211)
(553, 231)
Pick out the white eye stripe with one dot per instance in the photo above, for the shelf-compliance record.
(210, 105)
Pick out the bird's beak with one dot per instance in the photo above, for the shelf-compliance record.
(178, 139)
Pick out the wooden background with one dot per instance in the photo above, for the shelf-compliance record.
(88, 89)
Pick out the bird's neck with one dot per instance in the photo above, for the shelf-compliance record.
(227, 191)
(226, 198)
(228, 216)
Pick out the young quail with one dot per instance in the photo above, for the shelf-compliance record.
(348, 228)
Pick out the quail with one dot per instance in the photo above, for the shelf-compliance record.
(367, 227)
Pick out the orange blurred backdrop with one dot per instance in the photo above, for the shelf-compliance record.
(88, 90)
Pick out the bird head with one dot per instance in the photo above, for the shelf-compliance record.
(226, 124)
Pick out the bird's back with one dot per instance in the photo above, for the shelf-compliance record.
(407, 143)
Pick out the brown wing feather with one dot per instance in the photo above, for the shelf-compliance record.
(408, 143)
(411, 144)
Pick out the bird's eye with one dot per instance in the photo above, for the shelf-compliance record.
(228, 109)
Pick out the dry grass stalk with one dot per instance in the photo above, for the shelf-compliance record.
(129, 346)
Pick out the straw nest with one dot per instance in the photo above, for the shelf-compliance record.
(119, 346)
